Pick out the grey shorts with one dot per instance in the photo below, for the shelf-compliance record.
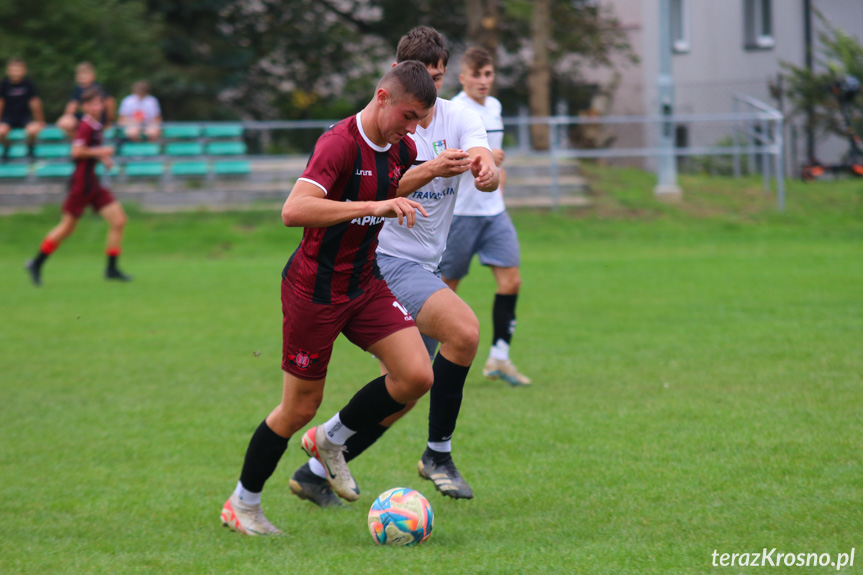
(412, 285)
(493, 238)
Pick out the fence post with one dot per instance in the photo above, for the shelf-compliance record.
(736, 138)
(523, 130)
(555, 184)
(780, 163)
(765, 157)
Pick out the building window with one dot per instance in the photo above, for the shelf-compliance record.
(679, 26)
(758, 23)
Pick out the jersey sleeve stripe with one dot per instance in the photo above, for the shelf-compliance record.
(313, 182)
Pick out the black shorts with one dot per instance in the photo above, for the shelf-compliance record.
(16, 122)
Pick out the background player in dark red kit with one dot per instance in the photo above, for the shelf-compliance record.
(331, 285)
(86, 190)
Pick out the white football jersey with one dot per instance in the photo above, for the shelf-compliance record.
(470, 201)
(452, 126)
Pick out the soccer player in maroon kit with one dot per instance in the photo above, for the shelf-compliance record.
(331, 285)
(86, 190)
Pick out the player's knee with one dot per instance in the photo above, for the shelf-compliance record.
(417, 379)
(465, 337)
(119, 221)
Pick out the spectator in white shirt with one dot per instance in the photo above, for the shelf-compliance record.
(140, 114)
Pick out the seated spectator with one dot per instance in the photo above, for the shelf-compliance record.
(85, 76)
(140, 114)
(20, 106)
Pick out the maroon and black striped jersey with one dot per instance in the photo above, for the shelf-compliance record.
(334, 264)
(89, 134)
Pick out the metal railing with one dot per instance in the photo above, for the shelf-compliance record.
(755, 133)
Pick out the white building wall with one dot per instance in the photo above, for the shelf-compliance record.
(718, 64)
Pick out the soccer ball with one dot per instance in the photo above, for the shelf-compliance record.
(400, 516)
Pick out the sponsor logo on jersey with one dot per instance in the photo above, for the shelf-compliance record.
(363, 173)
(303, 359)
(368, 220)
(432, 195)
(439, 146)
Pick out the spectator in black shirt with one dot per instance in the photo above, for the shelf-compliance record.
(85, 76)
(20, 105)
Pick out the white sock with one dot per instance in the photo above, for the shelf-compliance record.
(317, 468)
(499, 351)
(246, 496)
(441, 446)
(337, 431)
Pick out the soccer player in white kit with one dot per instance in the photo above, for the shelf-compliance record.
(450, 141)
(481, 225)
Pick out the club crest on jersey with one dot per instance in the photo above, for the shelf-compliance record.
(439, 146)
(396, 173)
(303, 359)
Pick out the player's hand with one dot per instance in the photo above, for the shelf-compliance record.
(451, 162)
(107, 162)
(499, 156)
(106, 152)
(402, 208)
(484, 175)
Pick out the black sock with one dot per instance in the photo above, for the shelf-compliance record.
(112, 263)
(445, 396)
(369, 406)
(362, 440)
(263, 455)
(40, 259)
(503, 317)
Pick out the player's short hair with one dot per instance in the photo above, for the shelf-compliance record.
(410, 78)
(94, 92)
(476, 58)
(85, 67)
(16, 60)
(423, 44)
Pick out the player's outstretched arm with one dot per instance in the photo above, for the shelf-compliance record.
(485, 172)
(307, 207)
(451, 162)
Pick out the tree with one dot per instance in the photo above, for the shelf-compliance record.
(483, 23)
(811, 89)
(540, 72)
(544, 46)
(117, 36)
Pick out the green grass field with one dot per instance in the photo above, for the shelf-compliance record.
(698, 376)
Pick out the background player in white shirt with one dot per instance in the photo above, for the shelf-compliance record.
(451, 141)
(481, 225)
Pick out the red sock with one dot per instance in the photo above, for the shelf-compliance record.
(113, 251)
(48, 247)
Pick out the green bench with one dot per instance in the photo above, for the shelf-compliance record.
(191, 168)
(182, 132)
(55, 170)
(14, 171)
(226, 148)
(51, 151)
(139, 149)
(144, 169)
